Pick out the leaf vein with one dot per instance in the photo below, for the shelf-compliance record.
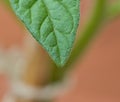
(53, 29)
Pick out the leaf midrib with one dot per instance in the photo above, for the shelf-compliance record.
(47, 10)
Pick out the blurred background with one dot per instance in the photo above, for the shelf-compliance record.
(96, 77)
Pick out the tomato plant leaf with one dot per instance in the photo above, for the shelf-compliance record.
(53, 23)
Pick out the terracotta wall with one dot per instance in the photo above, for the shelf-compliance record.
(96, 78)
(11, 32)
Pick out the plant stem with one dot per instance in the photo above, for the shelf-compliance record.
(113, 9)
(83, 41)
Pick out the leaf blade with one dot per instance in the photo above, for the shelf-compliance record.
(53, 23)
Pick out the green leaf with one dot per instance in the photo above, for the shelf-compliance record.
(53, 23)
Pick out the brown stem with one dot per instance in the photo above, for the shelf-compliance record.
(38, 68)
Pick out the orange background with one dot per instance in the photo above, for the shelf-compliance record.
(97, 76)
